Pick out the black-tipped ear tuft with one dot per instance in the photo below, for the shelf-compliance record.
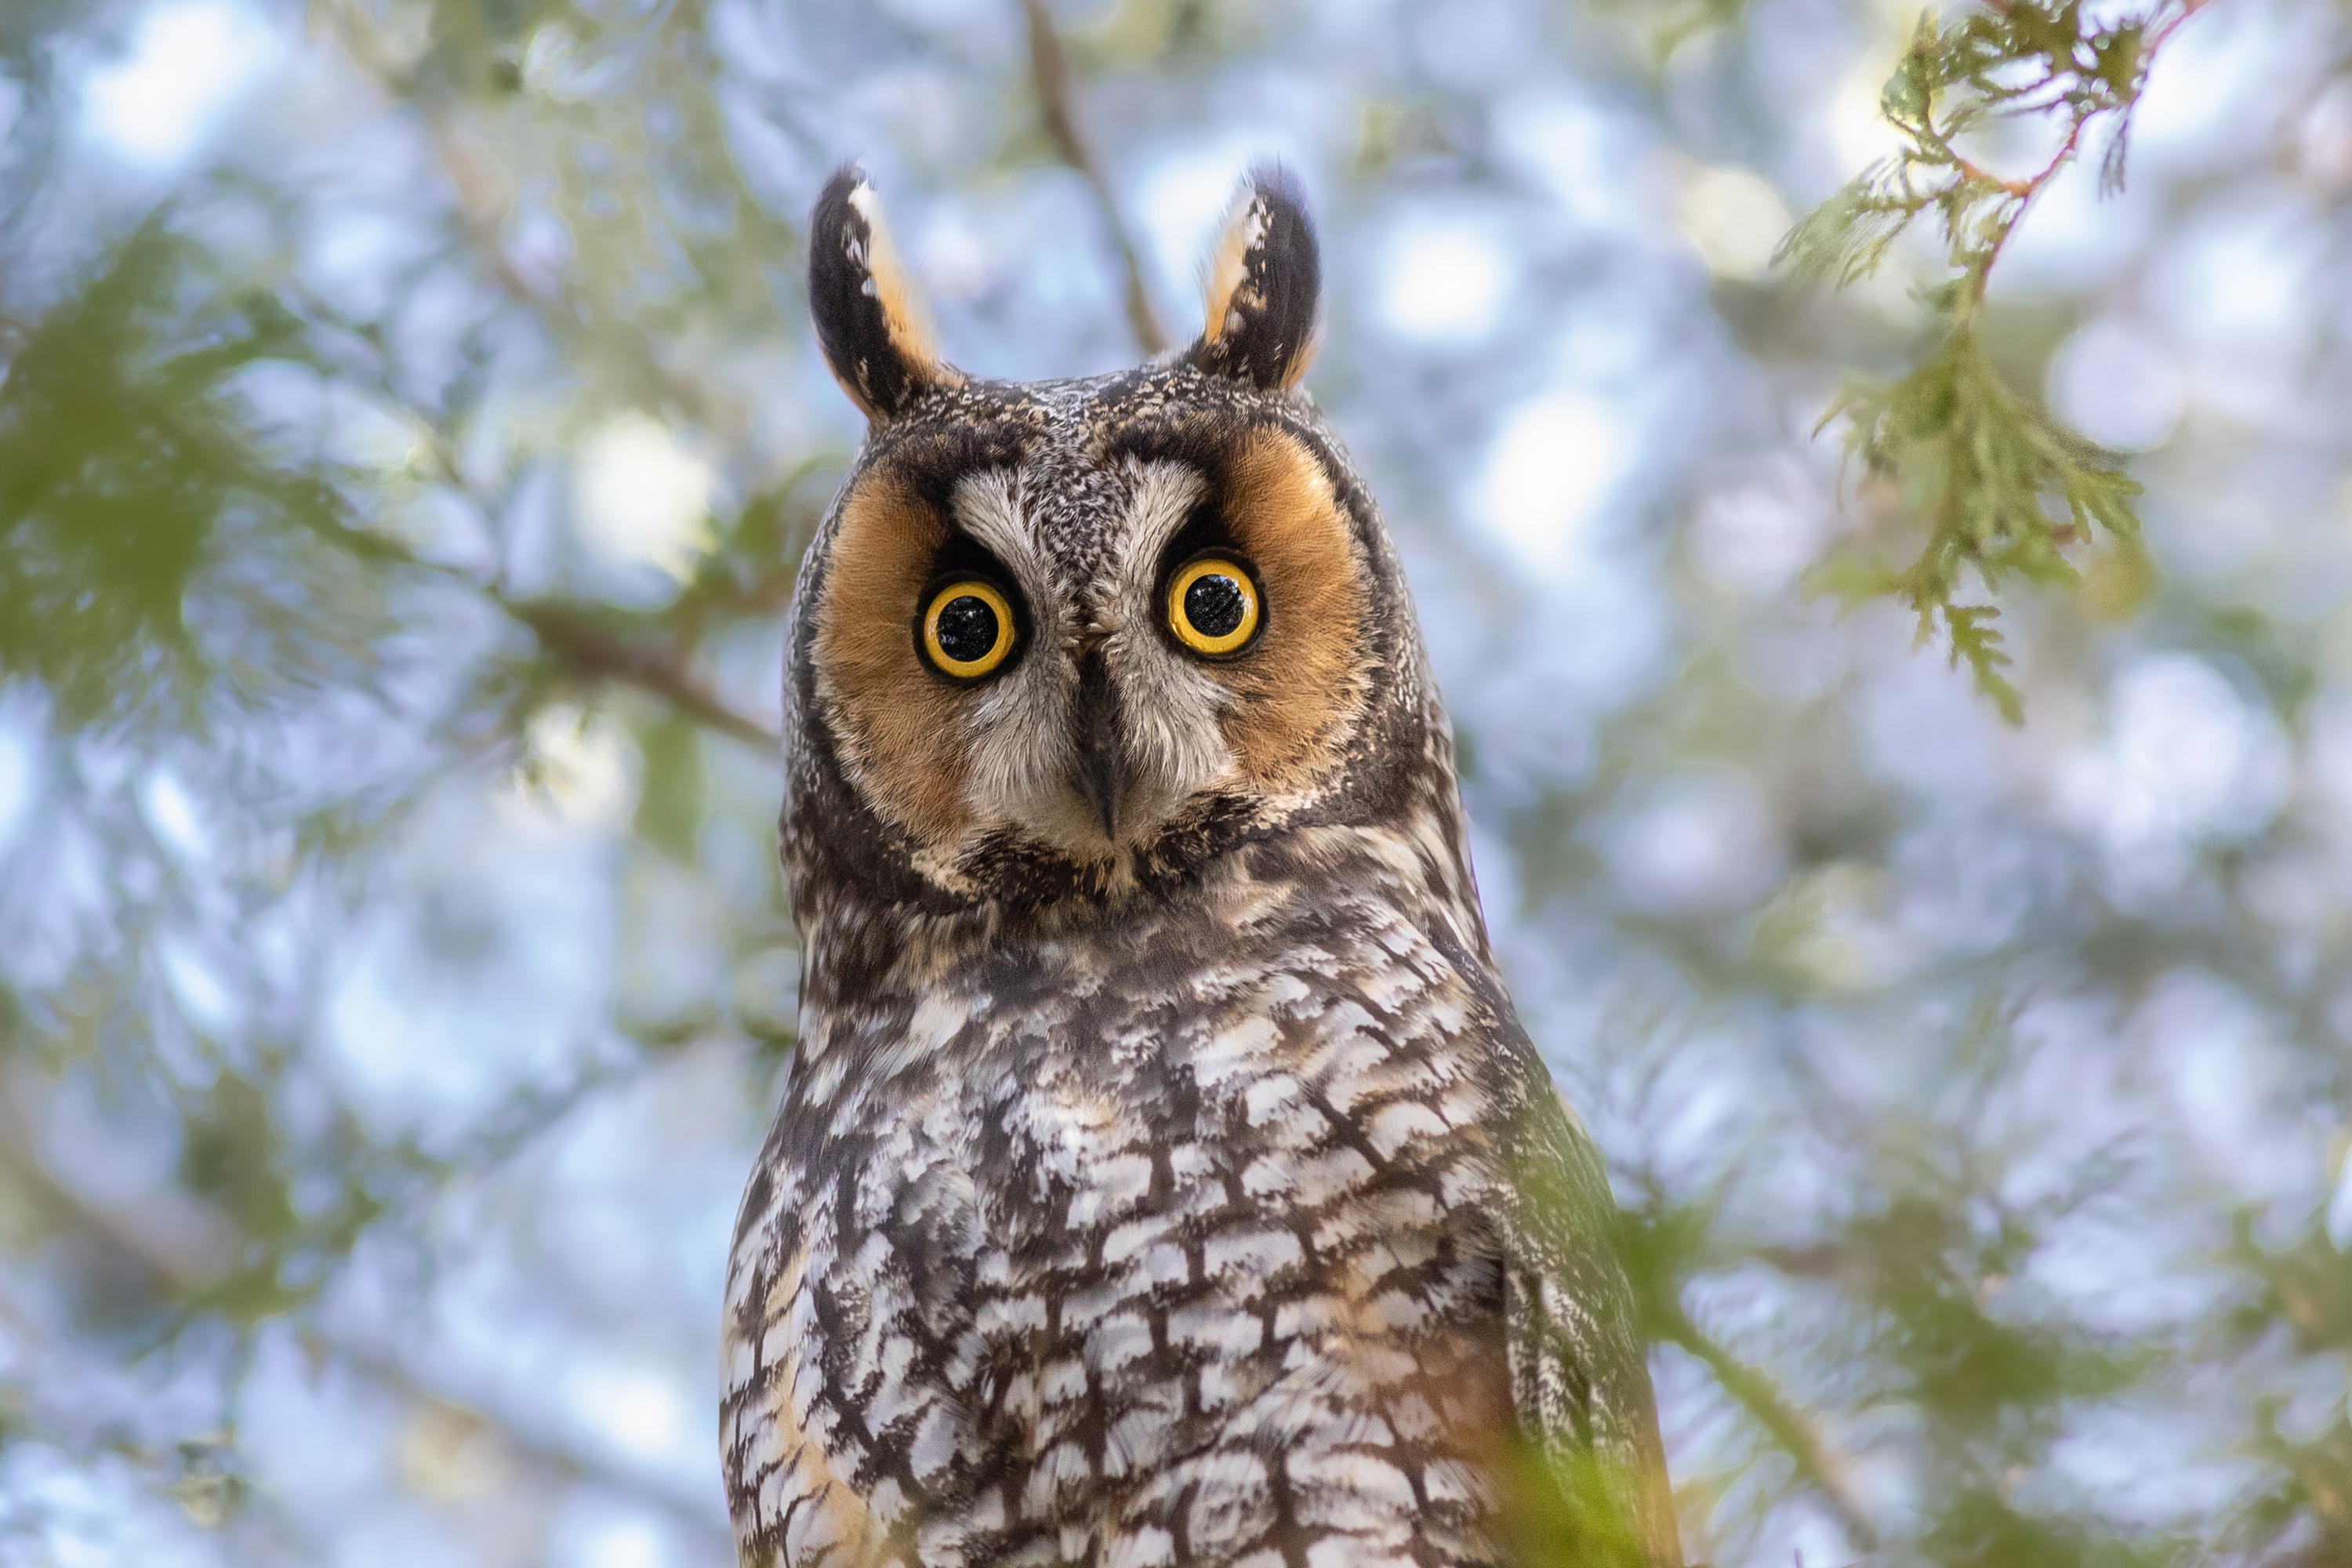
(1264, 282)
(867, 319)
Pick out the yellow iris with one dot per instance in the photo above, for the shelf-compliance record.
(1212, 606)
(968, 629)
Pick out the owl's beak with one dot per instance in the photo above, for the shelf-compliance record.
(1102, 759)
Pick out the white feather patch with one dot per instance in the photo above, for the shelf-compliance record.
(1227, 264)
(887, 280)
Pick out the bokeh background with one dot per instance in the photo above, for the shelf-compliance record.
(408, 425)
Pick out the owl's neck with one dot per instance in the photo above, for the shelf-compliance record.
(856, 946)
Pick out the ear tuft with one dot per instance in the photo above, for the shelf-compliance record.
(1263, 281)
(869, 319)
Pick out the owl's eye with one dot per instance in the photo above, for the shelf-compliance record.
(1212, 606)
(967, 629)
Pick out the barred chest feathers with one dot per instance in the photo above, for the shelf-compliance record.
(1162, 1176)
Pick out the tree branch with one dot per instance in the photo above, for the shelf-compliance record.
(566, 630)
(1049, 75)
(572, 633)
(2021, 193)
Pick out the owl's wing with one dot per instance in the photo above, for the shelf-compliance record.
(1579, 1373)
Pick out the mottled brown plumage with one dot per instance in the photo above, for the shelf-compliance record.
(1162, 1175)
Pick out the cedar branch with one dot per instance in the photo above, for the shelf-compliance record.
(2018, 194)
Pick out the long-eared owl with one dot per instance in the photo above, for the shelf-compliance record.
(1163, 1174)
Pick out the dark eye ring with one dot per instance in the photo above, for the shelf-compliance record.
(1214, 607)
(967, 629)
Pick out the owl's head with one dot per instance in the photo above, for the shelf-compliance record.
(1077, 639)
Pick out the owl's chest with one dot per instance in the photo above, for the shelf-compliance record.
(1090, 1115)
(1091, 1250)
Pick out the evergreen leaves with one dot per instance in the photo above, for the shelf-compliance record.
(1997, 487)
(146, 537)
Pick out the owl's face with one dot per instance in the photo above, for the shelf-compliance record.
(1067, 636)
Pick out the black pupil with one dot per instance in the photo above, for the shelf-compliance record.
(966, 628)
(1215, 605)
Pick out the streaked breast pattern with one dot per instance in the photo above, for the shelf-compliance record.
(1170, 1239)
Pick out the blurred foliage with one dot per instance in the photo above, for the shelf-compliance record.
(1564, 1509)
(393, 973)
(150, 544)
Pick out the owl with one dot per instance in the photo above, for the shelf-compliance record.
(1162, 1175)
